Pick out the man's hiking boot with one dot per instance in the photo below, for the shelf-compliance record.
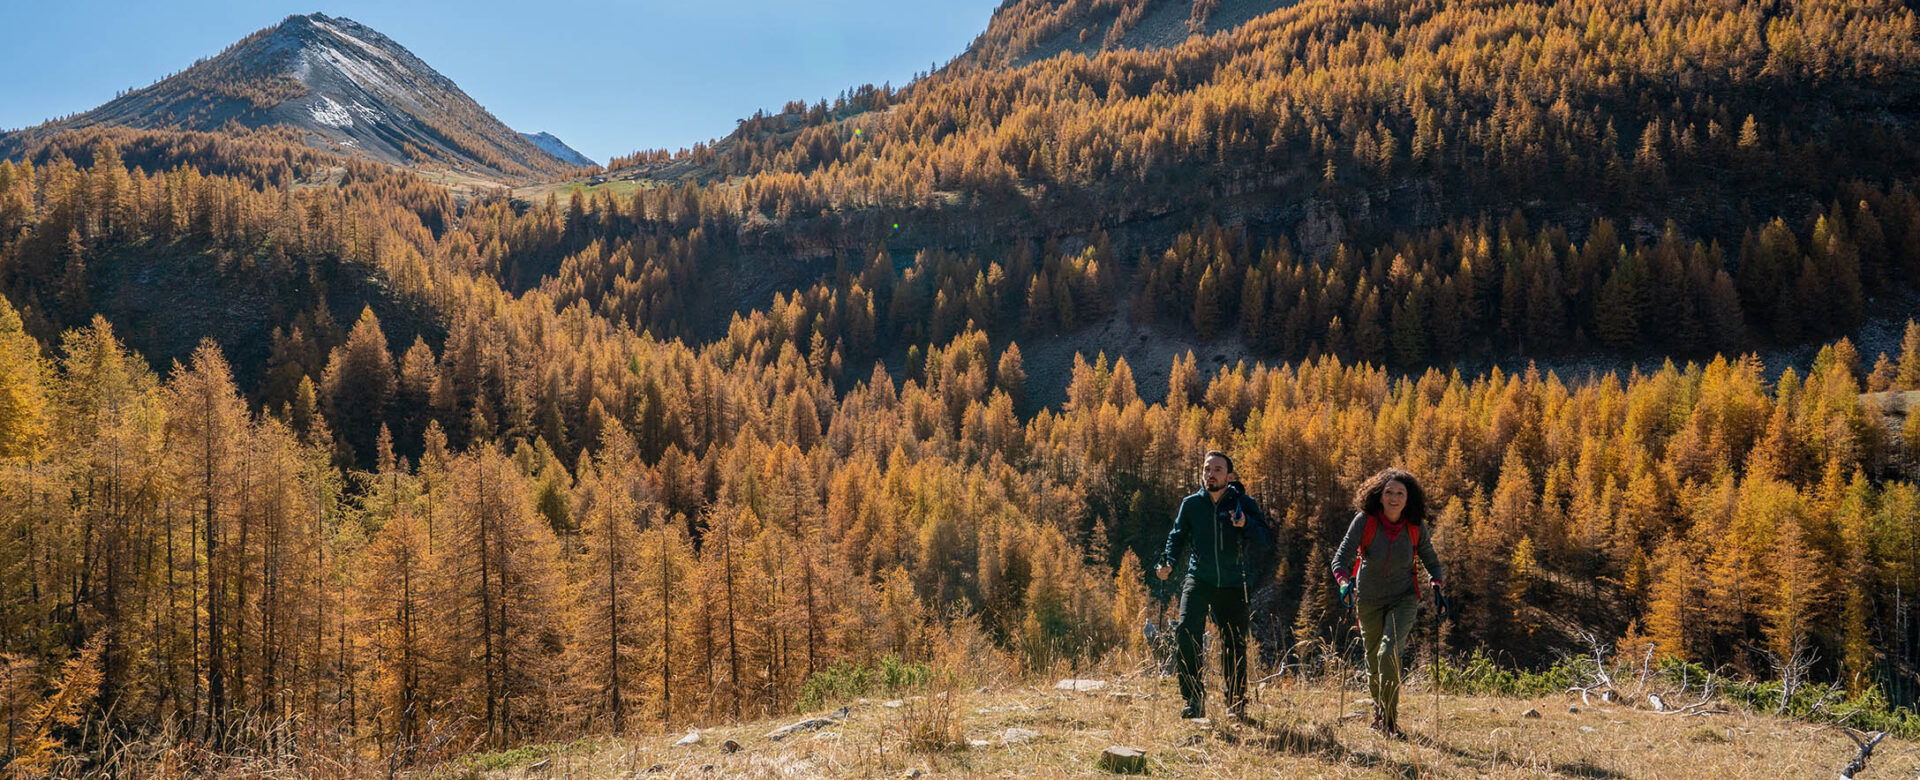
(1392, 730)
(1193, 710)
(1379, 721)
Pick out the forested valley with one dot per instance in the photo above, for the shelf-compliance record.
(300, 452)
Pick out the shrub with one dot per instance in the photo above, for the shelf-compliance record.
(846, 680)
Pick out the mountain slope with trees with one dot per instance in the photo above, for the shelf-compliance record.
(1483, 179)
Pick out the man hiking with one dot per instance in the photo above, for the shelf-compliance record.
(1218, 530)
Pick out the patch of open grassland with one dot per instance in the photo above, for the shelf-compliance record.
(1302, 730)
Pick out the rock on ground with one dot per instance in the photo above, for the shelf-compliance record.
(1123, 760)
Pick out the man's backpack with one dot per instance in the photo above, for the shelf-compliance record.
(1261, 558)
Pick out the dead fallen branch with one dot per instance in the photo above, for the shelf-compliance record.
(1600, 682)
(1866, 743)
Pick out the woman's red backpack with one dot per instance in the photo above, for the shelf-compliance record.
(1366, 544)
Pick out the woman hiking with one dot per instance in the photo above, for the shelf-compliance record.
(1388, 529)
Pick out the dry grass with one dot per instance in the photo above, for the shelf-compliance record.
(1301, 733)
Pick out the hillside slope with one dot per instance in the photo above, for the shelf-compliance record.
(1028, 31)
(1413, 182)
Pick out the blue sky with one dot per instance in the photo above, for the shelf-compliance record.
(606, 77)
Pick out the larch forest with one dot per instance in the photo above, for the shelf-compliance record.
(298, 447)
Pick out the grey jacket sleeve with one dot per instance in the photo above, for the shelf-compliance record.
(1349, 549)
(1428, 557)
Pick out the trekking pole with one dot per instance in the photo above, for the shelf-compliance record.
(1441, 614)
(1246, 640)
(1438, 611)
(1340, 659)
(1340, 651)
(1352, 627)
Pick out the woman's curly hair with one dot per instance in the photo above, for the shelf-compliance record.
(1367, 498)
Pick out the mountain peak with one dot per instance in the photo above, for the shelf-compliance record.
(558, 148)
(351, 89)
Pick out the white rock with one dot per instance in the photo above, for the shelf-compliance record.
(692, 738)
(1083, 686)
(810, 724)
(1018, 736)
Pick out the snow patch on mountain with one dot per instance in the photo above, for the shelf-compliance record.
(367, 113)
(330, 113)
(359, 72)
(363, 45)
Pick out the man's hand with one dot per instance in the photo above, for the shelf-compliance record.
(1163, 571)
(1239, 519)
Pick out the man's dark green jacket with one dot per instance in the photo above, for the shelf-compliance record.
(1216, 552)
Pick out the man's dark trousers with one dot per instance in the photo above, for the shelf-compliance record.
(1229, 607)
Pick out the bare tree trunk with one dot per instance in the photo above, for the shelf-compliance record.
(733, 645)
(216, 659)
(410, 678)
(240, 578)
(487, 624)
(613, 622)
(666, 631)
(813, 619)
